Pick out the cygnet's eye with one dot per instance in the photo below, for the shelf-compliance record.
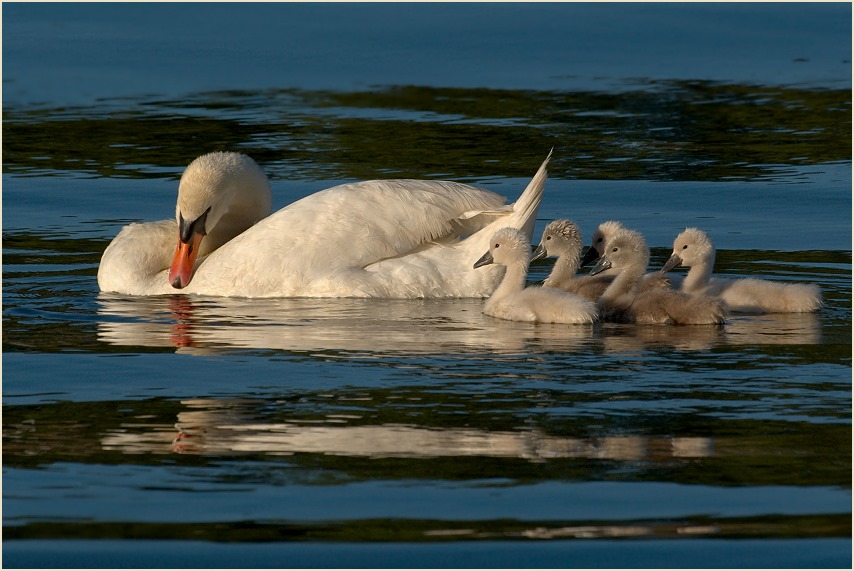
(599, 241)
(496, 245)
(615, 250)
(685, 247)
(548, 238)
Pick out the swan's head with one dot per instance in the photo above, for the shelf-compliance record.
(220, 195)
(625, 251)
(559, 237)
(509, 246)
(690, 248)
(603, 233)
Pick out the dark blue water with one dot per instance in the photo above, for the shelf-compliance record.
(203, 432)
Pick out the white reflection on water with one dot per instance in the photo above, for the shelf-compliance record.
(227, 426)
(201, 326)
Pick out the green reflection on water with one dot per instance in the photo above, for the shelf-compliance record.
(685, 130)
(450, 433)
(420, 530)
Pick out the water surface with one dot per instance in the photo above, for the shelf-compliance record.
(192, 431)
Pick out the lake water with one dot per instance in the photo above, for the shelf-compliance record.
(202, 432)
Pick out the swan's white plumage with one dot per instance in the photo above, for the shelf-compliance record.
(627, 254)
(694, 248)
(391, 238)
(513, 301)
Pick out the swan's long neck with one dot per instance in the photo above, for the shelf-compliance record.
(698, 277)
(237, 218)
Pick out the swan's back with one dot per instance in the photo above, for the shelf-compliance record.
(377, 219)
(364, 239)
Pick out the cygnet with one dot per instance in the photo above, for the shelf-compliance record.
(513, 301)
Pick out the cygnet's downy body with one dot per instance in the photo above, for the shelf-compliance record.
(513, 301)
(694, 249)
(627, 254)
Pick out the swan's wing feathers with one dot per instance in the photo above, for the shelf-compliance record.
(374, 220)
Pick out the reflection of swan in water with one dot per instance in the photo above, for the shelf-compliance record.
(771, 329)
(200, 326)
(774, 329)
(630, 338)
(225, 426)
(203, 325)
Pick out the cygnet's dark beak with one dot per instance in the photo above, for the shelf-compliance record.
(590, 255)
(484, 260)
(671, 263)
(539, 253)
(603, 264)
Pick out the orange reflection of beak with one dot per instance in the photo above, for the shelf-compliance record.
(181, 271)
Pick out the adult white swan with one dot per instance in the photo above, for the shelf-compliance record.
(391, 238)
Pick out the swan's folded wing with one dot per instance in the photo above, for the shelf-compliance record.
(354, 225)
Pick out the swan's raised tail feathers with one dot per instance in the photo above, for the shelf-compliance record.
(526, 207)
(522, 214)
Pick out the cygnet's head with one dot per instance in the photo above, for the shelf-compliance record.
(601, 235)
(690, 248)
(508, 246)
(626, 250)
(560, 237)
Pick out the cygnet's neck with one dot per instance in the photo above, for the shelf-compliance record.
(564, 268)
(515, 275)
(626, 283)
(699, 274)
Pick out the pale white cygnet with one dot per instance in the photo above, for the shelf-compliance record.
(694, 249)
(562, 238)
(627, 254)
(603, 233)
(511, 300)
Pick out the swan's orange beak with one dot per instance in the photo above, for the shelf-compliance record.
(190, 236)
(181, 271)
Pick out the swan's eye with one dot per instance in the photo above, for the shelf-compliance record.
(685, 247)
(615, 250)
(599, 241)
(548, 238)
(497, 245)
